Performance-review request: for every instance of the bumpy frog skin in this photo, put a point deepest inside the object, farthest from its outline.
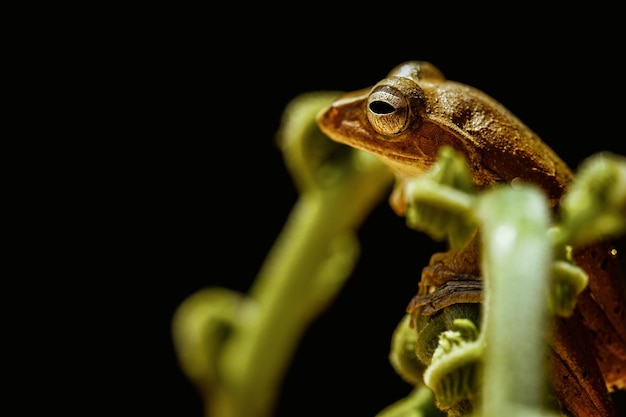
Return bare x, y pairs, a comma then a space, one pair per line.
404, 120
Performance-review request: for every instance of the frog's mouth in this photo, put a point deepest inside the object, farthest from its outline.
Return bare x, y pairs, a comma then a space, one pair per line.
404, 165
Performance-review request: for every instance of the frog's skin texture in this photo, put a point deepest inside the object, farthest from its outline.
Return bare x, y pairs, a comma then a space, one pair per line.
404, 120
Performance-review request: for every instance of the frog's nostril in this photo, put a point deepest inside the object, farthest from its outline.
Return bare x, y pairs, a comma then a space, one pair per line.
381, 107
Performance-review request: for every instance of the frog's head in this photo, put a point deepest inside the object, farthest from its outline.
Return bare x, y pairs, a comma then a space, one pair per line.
390, 119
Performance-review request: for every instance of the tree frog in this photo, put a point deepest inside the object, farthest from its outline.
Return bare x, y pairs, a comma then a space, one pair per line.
404, 120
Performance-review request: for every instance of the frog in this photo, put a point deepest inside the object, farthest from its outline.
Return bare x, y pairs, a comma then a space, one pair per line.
404, 120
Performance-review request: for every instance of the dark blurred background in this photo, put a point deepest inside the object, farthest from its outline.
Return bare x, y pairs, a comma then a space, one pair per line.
209, 192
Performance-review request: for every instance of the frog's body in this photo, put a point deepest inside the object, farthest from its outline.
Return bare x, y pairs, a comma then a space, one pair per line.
433, 112
404, 120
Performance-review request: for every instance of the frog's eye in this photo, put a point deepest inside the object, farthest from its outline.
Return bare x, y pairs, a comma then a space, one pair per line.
387, 110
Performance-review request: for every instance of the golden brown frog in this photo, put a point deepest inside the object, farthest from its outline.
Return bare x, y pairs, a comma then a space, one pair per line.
404, 120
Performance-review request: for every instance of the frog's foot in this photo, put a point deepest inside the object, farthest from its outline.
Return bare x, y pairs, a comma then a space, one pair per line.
451, 277
459, 289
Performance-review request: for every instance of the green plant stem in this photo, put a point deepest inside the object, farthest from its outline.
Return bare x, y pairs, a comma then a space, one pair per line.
419, 403
305, 269
517, 253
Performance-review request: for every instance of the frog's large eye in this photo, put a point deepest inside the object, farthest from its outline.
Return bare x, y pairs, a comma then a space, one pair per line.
387, 110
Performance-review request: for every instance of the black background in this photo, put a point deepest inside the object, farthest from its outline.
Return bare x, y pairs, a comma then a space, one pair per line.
208, 192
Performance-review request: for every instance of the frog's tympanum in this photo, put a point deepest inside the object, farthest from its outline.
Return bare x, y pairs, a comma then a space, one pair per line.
404, 120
